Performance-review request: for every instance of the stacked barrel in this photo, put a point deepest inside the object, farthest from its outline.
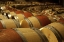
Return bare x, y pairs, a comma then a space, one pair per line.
32, 24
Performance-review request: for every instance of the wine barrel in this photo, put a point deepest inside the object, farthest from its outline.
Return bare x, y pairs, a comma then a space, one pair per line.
9, 35
50, 35
31, 22
21, 16
9, 14
57, 28
43, 20
37, 21
34, 35
9, 23
26, 14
